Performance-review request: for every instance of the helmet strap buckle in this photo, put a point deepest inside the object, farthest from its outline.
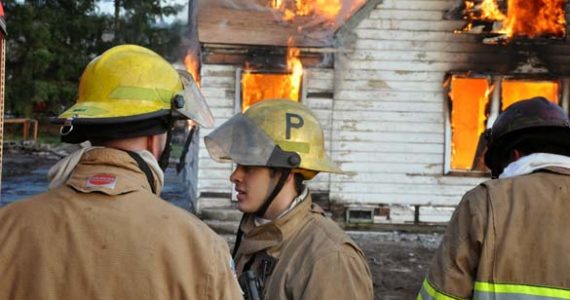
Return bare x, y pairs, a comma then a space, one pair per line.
67, 126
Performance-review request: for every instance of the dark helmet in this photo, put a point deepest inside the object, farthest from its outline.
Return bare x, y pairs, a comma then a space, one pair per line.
533, 120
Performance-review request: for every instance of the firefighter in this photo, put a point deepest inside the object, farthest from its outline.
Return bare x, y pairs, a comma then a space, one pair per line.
285, 247
101, 231
509, 238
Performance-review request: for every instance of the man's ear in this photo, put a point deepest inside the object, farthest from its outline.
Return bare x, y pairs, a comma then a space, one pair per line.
153, 145
516, 154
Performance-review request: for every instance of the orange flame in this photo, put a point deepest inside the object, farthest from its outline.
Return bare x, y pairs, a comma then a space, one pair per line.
513, 90
193, 67
329, 10
528, 18
469, 98
257, 87
294, 66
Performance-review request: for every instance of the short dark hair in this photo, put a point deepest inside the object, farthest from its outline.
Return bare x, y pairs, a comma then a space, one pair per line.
298, 178
535, 140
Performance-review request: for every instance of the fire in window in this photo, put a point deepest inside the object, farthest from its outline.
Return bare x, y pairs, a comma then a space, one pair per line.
469, 113
474, 103
513, 90
259, 85
503, 20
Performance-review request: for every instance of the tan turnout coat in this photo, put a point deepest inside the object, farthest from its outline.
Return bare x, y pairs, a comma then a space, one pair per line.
104, 235
508, 239
315, 259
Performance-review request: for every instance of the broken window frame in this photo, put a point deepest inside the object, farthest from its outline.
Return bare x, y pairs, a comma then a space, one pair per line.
494, 110
238, 103
485, 27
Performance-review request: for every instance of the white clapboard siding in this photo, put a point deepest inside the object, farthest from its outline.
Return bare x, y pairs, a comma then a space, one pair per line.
218, 86
385, 124
389, 105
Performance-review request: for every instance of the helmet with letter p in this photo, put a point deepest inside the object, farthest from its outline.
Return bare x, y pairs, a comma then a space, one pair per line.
273, 133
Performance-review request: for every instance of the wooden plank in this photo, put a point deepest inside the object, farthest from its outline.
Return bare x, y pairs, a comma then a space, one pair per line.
388, 137
381, 177
214, 174
404, 14
412, 117
218, 82
352, 156
381, 126
375, 105
409, 76
378, 84
394, 167
378, 198
416, 25
221, 25
415, 5
411, 35
220, 102
422, 66
394, 188
218, 70
219, 93
384, 95
461, 47
319, 103
428, 56
389, 148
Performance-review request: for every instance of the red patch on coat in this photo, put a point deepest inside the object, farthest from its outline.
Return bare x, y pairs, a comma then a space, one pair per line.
102, 180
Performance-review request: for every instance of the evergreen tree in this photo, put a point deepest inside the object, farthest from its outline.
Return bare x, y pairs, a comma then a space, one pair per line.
51, 41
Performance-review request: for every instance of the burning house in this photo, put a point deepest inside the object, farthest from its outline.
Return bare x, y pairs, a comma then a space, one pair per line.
404, 88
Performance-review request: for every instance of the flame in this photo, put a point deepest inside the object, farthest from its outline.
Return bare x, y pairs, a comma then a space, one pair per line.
513, 91
329, 10
528, 18
295, 67
469, 98
257, 87
193, 67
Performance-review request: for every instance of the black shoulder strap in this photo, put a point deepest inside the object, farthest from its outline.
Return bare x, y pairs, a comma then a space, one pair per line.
145, 168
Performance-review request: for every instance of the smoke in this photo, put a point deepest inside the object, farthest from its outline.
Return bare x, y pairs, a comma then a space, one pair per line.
315, 13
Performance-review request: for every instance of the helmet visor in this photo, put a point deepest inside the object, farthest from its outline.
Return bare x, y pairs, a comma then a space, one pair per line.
240, 140
195, 106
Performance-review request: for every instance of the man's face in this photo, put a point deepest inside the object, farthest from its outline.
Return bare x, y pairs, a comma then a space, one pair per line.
253, 185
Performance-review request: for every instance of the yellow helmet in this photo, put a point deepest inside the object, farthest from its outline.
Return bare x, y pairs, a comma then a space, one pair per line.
273, 133
130, 83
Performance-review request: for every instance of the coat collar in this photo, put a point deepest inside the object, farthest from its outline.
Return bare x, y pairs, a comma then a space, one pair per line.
109, 171
271, 236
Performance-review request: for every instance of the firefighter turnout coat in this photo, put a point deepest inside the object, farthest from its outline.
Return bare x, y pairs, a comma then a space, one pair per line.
104, 235
304, 255
508, 239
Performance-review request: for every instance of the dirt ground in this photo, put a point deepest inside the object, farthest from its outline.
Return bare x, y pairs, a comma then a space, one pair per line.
398, 261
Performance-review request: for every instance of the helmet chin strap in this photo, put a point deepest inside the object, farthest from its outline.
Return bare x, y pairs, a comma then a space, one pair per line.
164, 158
261, 211
276, 190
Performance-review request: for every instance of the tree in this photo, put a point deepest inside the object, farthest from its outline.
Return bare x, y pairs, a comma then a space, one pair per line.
141, 22
51, 41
